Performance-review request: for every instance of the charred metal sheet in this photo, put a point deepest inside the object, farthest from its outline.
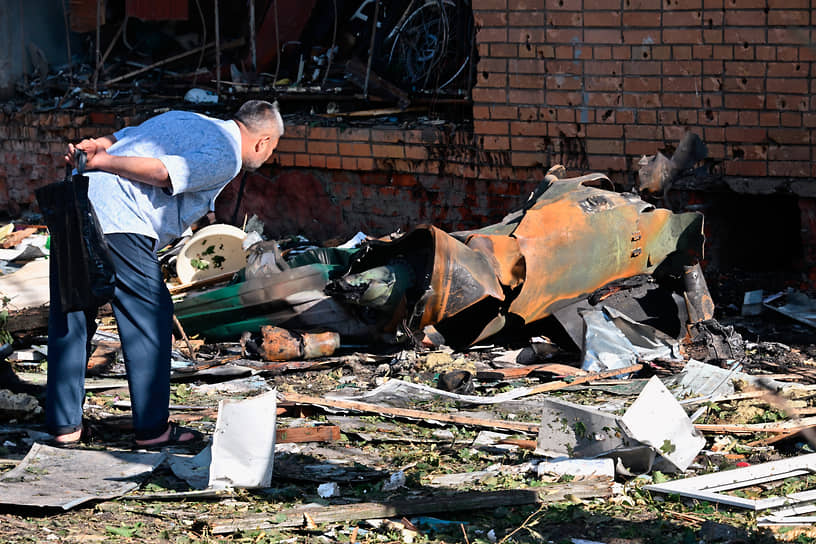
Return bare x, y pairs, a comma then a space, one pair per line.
505, 256
576, 239
450, 276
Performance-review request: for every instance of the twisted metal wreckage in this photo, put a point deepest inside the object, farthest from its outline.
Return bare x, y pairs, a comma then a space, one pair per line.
570, 239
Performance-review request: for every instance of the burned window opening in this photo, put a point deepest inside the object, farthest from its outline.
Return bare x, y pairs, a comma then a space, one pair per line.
744, 241
411, 57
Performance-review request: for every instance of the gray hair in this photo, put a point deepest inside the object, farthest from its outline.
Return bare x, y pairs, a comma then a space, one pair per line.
256, 115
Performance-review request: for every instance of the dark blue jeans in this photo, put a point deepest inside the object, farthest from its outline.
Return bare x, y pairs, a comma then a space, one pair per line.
144, 314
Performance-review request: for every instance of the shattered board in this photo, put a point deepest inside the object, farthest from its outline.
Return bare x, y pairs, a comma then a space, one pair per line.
399, 393
64, 478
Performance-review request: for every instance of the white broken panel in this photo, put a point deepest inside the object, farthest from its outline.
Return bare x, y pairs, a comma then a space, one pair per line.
243, 445
64, 478
703, 380
714, 487
582, 431
658, 420
575, 430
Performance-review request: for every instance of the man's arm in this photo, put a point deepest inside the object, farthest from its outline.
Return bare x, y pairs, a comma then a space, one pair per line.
143, 169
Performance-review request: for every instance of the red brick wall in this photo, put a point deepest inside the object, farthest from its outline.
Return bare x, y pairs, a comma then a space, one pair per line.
592, 84
598, 83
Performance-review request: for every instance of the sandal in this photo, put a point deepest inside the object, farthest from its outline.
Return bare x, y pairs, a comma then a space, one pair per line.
174, 438
84, 437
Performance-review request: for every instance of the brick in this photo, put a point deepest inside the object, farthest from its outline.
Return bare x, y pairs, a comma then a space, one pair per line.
677, 18
527, 82
302, 160
642, 132
745, 52
799, 86
322, 133
680, 100
416, 152
643, 68
769, 119
789, 153
789, 135
724, 52
752, 69
102, 118
333, 162
744, 84
603, 68
604, 131
317, 161
642, 18
355, 149
602, 35
502, 50
564, 18
290, 145
684, 35
790, 168
745, 18
489, 95
563, 35
479, 5
365, 164
496, 143
641, 84
492, 34
604, 100
563, 83
569, 5
527, 66
527, 35
492, 79
746, 168
787, 69
642, 4
562, 98
602, 18
490, 18
527, 96
749, 118
746, 135
528, 129
745, 35
322, 148
642, 147
605, 163
640, 37
503, 112
643, 100
739, 101
779, 17
354, 134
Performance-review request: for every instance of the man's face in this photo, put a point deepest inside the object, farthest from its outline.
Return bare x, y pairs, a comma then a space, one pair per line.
263, 149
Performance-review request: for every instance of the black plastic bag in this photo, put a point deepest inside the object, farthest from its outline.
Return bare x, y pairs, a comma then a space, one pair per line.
79, 251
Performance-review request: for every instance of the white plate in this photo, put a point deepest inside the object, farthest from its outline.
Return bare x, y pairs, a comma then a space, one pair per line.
212, 251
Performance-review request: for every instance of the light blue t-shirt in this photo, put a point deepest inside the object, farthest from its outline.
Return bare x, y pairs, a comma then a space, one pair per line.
202, 156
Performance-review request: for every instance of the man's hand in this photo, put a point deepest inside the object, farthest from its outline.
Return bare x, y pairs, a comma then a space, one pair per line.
95, 149
143, 169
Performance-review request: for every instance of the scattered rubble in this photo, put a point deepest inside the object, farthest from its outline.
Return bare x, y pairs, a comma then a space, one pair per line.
470, 376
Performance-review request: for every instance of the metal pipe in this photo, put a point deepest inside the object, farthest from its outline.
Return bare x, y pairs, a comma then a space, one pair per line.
371, 48
217, 51
252, 46
98, 34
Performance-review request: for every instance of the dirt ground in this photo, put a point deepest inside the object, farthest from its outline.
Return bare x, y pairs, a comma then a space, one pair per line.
373, 447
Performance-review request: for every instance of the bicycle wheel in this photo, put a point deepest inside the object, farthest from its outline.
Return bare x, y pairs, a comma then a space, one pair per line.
431, 48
